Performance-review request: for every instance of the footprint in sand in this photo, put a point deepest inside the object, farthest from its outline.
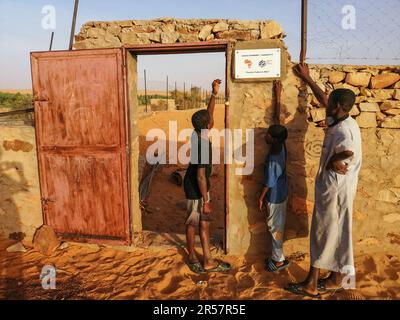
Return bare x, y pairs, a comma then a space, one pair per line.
169, 285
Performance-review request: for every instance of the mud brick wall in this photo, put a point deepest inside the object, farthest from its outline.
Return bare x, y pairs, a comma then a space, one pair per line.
377, 206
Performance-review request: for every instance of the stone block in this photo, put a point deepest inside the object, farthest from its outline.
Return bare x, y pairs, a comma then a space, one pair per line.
391, 122
367, 120
336, 77
369, 107
270, 29
384, 80
358, 79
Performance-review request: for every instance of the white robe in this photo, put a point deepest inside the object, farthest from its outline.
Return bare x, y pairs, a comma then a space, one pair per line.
331, 228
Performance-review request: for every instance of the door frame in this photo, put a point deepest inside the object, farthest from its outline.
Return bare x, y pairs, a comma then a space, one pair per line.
189, 47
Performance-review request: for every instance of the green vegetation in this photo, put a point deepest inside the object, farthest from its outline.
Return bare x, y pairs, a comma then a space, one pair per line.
15, 101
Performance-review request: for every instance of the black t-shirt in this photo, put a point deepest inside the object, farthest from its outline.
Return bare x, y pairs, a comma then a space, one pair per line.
200, 157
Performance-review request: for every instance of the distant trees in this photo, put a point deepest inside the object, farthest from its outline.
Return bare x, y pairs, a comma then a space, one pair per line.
15, 101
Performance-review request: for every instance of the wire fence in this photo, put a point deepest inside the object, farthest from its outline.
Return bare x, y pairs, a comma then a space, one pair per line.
158, 95
354, 32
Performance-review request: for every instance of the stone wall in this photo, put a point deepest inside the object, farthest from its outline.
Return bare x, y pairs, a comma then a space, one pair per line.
20, 208
97, 34
377, 90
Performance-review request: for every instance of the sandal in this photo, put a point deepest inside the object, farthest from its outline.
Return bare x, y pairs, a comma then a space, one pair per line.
272, 267
321, 287
221, 267
196, 267
296, 288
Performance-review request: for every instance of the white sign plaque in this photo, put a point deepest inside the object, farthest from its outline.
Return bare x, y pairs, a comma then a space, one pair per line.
258, 63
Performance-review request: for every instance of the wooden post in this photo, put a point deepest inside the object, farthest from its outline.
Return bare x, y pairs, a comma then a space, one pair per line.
71, 39
303, 51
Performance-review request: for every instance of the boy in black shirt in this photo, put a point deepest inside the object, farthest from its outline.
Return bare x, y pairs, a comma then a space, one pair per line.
197, 186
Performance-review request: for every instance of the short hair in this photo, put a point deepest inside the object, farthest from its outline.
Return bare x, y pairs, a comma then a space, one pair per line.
278, 132
344, 97
200, 120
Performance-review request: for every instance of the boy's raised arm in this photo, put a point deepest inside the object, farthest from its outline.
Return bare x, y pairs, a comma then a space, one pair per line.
211, 104
304, 73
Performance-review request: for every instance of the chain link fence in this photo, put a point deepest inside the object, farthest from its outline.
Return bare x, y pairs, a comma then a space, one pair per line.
361, 32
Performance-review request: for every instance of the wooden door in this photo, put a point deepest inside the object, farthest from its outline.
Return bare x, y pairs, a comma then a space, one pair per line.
80, 119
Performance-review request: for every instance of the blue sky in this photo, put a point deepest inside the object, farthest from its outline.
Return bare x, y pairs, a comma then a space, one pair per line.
375, 39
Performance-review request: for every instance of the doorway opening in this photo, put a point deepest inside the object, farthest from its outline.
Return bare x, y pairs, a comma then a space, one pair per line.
169, 88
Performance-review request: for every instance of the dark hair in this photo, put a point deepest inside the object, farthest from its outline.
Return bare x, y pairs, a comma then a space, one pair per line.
200, 120
344, 97
280, 133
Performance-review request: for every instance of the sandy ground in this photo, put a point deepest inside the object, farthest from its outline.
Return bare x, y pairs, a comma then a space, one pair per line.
92, 272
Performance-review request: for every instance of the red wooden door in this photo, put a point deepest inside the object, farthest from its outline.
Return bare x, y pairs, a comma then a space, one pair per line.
80, 118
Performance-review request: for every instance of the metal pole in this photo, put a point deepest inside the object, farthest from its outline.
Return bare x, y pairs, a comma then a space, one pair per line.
303, 51
145, 90
51, 41
167, 92
71, 39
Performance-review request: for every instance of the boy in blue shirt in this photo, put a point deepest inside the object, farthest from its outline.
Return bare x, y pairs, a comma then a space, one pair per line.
275, 193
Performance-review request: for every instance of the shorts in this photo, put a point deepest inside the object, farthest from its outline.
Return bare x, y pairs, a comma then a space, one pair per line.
195, 212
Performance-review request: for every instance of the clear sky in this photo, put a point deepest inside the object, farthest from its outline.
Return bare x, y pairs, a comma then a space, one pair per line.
375, 39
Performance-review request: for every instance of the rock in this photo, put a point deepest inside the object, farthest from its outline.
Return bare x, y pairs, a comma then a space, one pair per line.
125, 24
221, 26
169, 37
383, 94
246, 25
205, 32
384, 80
380, 116
17, 247
234, 35
255, 34
397, 85
391, 122
270, 29
45, 240
365, 92
210, 37
396, 94
347, 86
96, 33
367, 120
354, 111
360, 99
318, 114
129, 38
358, 79
336, 77
390, 104
392, 112
188, 38
369, 107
